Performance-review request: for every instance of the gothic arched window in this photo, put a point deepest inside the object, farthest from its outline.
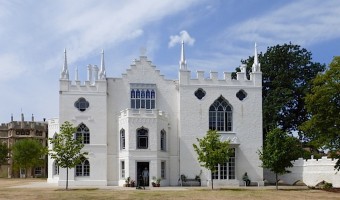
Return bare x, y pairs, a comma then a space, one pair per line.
142, 138
122, 139
220, 115
163, 140
83, 168
84, 133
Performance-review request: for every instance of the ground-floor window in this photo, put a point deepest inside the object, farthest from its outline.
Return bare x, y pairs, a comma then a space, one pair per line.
122, 164
163, 169
83, 169
56, 169
37, 171
226, 170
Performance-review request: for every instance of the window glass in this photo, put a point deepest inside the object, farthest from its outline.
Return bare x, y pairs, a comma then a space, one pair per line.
220, 115
142, 138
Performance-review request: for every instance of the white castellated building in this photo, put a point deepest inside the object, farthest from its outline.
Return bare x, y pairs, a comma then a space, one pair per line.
143, 120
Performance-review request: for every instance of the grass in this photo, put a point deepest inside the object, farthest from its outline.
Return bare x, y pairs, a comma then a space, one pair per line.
7, 192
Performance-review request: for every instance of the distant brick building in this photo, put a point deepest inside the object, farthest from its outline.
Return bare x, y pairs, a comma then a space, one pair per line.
16, 130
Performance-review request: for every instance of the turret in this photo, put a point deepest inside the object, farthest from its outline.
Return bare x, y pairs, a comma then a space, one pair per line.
64, 73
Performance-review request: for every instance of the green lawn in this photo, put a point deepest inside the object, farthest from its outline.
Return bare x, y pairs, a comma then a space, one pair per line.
192, 193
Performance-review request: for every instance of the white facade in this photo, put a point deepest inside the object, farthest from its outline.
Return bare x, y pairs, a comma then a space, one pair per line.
161, 124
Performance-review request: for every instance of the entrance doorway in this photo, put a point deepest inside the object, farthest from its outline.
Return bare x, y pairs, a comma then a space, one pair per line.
140, 167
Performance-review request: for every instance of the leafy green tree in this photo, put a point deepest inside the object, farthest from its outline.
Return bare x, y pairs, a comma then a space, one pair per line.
287, 72
212, 151
3, 154
323, 103
278, 152
28, 153
66, 149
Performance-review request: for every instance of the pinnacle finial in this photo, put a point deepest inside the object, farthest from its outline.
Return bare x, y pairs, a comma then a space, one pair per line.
183, 62
102, 72
256, 64
64, 73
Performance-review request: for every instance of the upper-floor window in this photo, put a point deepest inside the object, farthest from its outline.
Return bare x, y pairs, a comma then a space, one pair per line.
220, 115
81, 104
163, 140
143, 96
122, 139
142, 138
84, 133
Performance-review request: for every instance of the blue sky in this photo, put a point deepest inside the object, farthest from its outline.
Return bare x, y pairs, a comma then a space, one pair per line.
218, 34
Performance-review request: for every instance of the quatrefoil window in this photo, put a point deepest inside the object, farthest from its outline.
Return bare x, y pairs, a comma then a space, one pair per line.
81, 104
241, 95
200, 93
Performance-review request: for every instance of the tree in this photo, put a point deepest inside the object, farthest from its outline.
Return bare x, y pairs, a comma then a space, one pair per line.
28, 153
66, 148
211, 151
287, 74
3, 154
323, 103
278, 152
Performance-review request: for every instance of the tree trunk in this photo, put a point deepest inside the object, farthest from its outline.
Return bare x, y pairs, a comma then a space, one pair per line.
277, 182
66, 178
25, 172
212, 181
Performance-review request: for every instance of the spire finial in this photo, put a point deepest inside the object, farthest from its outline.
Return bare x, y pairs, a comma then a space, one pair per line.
256, 64
102, 72
76, 78
64, 73
182, 62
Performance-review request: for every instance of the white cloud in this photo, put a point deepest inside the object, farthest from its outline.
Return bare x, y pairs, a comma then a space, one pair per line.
183, 36
303, 22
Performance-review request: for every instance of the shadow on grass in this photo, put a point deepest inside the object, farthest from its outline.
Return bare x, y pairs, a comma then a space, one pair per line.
78, 189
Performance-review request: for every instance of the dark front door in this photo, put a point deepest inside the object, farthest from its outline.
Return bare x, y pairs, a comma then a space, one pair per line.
143, 166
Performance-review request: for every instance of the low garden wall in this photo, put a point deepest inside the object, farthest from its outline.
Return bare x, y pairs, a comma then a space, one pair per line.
311, 172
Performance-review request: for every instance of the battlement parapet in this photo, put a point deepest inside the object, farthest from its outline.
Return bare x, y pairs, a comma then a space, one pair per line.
213, 79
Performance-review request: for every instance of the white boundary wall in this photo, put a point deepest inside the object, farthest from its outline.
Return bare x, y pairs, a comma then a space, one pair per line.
311, 172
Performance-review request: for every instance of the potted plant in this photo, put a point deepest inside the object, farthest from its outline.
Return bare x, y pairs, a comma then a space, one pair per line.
158, 182
132, 183
127, 182
153, 183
